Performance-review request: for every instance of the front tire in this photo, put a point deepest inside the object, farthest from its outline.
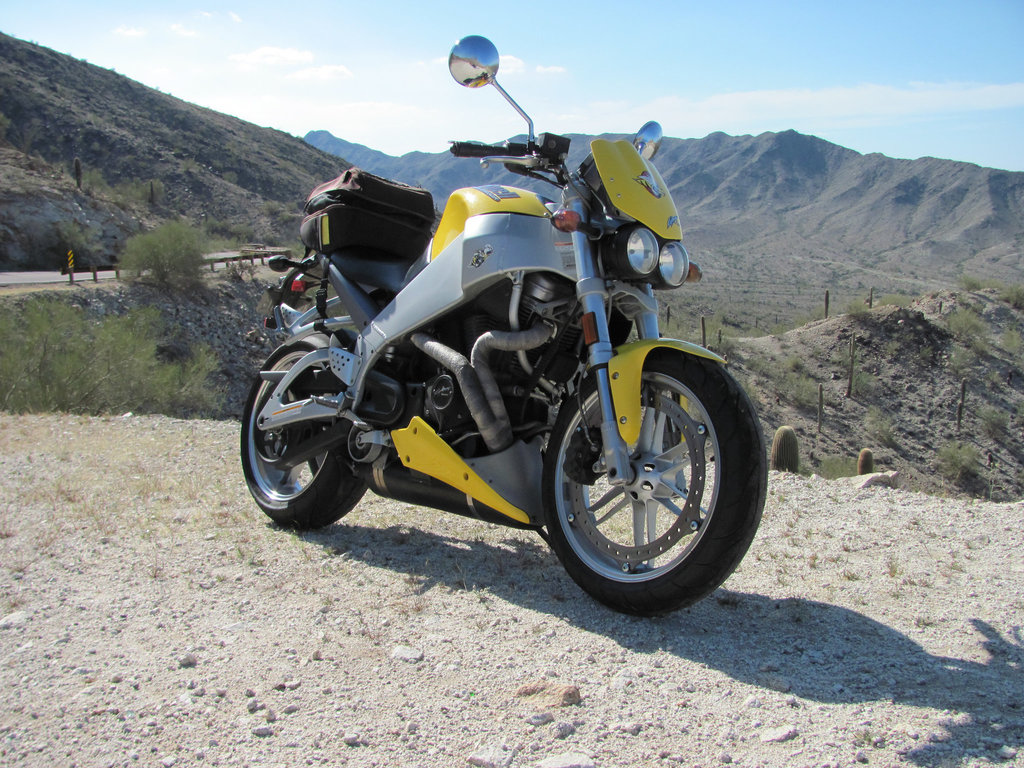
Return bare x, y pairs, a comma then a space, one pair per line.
311, 495
675, 533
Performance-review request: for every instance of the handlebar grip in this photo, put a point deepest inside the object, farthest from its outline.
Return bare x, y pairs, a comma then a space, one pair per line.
472, 149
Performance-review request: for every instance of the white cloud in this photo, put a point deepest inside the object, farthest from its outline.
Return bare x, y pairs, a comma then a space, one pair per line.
124, 31
181, 29
808, 109
235, 17
510, 65
324, 73
270, 56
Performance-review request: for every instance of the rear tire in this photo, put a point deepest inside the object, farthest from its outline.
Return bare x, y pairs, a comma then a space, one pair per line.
312, 495
680, 529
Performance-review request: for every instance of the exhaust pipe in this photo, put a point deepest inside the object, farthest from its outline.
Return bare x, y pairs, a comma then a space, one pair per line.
476, 380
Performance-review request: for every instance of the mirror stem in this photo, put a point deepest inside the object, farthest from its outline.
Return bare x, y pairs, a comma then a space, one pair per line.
518, 109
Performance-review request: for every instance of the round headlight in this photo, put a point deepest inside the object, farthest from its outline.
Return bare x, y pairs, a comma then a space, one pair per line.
642, 250
633, 253
673, 265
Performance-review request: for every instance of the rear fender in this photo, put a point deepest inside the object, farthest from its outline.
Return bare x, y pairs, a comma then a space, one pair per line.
624, 372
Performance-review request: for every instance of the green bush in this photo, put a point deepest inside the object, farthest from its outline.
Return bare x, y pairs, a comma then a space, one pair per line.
171, 255
1013, 295
879, 427
957, 461
53, 358
833, 467
968, 328
993, 421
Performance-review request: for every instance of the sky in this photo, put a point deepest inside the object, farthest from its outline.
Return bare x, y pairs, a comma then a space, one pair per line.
903, 78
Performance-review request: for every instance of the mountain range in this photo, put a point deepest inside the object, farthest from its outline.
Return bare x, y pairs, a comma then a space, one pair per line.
773, 219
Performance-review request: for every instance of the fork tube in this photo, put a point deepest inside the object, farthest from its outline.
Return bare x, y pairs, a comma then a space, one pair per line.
590, 289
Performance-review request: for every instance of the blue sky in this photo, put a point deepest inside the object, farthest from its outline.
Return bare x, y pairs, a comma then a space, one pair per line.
907, 79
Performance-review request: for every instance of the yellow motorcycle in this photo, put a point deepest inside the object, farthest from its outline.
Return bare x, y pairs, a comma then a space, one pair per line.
509, 366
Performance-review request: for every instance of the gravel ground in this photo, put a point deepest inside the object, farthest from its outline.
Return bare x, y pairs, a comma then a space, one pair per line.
152, 617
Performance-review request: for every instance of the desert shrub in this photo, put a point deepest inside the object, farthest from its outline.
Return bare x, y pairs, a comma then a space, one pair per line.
962, 361
965, 325
896, 299
170, 256
993, 421
53, 358
957, 461
971, 283
1013, 295
832, 467
879, 427
1011, 341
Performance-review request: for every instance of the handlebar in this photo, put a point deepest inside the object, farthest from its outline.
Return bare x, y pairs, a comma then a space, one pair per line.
472, 149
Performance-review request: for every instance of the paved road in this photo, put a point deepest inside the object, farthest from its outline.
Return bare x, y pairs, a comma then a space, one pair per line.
45, 278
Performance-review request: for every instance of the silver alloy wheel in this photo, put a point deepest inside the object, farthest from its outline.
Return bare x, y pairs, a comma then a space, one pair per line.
279, 485
642, 530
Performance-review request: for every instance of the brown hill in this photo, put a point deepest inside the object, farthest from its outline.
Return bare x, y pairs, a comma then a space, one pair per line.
145, 156
910, 366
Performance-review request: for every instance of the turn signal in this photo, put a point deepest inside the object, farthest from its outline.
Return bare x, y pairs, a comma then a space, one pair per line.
695, 274
565, 220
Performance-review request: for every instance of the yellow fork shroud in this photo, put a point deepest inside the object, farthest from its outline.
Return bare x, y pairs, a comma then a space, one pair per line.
624, 371
420, 448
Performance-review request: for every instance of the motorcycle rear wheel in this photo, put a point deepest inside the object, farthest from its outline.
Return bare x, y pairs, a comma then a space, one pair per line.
311, 495
675, 533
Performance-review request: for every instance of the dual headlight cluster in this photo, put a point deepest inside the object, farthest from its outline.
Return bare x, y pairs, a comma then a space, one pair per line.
634, 253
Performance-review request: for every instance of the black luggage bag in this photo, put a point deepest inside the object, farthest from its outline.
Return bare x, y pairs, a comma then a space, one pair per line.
360, 209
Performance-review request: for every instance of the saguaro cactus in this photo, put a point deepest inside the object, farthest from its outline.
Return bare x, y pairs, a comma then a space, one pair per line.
785, 450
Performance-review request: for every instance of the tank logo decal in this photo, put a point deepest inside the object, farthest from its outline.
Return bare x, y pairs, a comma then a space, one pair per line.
646, 180
481, 256
499, 193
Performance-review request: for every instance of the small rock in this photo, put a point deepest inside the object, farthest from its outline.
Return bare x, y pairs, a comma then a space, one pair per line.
563, 730
1006, 752
752, 702
568, 760
725, 757
291, 709
633, 729
492, 756
407, 654
780, 734
861, 756
548, 694
540, 718
188, 661
352, 740
262, 731
15, 619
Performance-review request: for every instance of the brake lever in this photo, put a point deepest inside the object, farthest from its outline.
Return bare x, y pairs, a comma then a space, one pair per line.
531, 161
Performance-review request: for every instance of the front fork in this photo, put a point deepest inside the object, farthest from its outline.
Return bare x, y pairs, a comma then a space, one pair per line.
593, 296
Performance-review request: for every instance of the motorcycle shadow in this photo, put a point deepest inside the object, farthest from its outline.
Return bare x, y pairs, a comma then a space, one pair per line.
809, 649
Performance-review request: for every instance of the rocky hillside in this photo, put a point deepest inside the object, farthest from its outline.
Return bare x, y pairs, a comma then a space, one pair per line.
937, 390
145, 156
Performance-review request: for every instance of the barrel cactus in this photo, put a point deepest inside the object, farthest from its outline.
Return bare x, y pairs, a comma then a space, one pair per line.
785, 450
865, 462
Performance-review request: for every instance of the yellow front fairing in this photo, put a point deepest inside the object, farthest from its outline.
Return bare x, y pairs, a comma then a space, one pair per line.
635, 187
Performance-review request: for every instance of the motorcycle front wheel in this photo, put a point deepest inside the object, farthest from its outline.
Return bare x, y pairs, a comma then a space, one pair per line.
679, 529
310, 495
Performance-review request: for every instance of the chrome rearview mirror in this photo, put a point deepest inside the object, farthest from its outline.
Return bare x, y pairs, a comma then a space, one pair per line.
473, 62
648, 140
